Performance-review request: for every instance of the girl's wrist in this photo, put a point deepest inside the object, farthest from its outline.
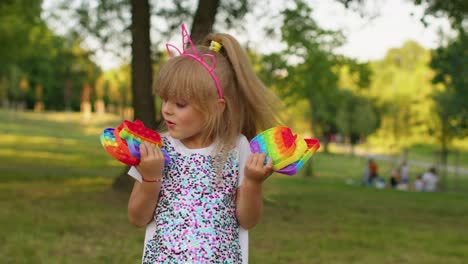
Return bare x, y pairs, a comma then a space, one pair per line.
252, 183
151, 180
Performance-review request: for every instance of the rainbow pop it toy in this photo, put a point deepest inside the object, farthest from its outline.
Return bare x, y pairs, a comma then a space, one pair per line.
288, 151
123, 142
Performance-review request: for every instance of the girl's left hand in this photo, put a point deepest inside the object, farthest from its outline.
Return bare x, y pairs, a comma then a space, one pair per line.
256, 170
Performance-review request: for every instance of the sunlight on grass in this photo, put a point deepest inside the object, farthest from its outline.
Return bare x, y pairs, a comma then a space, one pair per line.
93, 131
65, 117
42, 189
88, 182
35, 155
9, 140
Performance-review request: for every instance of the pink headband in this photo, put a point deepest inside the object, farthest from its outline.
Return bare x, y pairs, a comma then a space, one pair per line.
187, 42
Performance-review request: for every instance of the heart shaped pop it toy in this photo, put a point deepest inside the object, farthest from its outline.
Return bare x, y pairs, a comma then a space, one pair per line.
288, 151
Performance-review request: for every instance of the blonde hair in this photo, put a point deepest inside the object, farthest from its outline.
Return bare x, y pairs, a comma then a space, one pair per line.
249, 106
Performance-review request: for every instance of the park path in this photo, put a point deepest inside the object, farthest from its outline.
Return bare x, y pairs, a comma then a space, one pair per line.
460, 170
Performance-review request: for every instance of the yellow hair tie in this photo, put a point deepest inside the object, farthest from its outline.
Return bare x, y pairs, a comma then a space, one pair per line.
215, 46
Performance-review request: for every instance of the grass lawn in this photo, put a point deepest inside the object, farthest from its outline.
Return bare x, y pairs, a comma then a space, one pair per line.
58, 206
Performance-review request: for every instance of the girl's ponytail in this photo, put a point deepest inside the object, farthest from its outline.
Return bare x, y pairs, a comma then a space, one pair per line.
257, 105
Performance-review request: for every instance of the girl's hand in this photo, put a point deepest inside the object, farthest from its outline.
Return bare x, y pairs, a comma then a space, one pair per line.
151, 162
256, 170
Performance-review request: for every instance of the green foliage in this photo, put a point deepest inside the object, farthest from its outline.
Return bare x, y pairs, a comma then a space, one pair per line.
353, 75
309, 70
117, 90
305, 69
109, 22
401, 89
456, 10
356, 116
36, 56
229, 15
17, 21
450, 64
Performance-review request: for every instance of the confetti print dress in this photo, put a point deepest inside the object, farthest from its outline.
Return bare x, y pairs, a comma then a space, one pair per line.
195, 220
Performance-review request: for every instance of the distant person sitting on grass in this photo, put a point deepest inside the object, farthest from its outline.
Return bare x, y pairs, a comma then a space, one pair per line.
373, 171
430, 180
418, 184
395, 178
404, 173
366, 176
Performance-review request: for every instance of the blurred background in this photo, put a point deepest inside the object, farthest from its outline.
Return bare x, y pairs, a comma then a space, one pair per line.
382, 84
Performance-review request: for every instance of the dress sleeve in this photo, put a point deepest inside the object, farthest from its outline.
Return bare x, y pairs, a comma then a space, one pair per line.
244, 153
133, 172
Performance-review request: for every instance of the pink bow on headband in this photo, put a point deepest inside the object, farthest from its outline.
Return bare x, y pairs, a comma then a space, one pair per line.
190, 51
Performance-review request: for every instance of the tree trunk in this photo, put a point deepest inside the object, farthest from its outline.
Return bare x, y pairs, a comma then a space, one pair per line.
85, 106
67, 94
309, 167
142, 96
38, 104
123, 182
444, 153
99, 107
204, 19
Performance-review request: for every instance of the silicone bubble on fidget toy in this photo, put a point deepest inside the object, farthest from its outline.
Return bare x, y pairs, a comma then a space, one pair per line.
123, 142
289, 152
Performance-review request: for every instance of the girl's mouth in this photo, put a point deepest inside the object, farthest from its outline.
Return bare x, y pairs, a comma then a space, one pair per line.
170, 124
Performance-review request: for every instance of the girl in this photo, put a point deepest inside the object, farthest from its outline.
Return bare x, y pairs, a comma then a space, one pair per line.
197, 208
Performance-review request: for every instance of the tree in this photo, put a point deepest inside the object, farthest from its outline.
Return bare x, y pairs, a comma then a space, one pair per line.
356, 117
455, 10
450, 64
312, 77
308, 69
142, 71
142, 74
17, 20
204, 16
31, 53
401, 89
204, 19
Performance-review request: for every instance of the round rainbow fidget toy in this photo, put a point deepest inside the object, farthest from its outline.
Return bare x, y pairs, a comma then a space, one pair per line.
123, 142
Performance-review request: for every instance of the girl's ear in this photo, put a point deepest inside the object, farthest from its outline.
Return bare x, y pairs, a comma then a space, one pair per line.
221, 105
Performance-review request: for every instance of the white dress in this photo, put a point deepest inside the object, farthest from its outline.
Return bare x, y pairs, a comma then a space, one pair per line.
195, 219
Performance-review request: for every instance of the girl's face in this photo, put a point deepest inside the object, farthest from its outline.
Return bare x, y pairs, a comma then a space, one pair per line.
184, 122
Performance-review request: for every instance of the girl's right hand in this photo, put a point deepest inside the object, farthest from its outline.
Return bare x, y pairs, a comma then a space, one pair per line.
151, 162
256, 169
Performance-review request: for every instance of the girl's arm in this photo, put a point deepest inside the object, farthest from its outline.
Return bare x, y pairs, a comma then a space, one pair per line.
249, 203
142, 203
144, 197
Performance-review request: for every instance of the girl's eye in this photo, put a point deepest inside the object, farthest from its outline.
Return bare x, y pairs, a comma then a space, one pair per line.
181, 105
